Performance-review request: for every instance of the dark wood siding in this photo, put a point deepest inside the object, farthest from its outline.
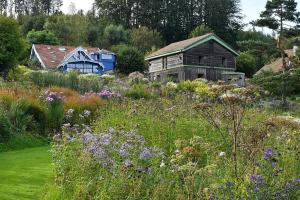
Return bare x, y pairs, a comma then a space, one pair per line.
210, 54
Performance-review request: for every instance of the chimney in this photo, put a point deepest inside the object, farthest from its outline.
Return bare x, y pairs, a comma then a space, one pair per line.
295, 49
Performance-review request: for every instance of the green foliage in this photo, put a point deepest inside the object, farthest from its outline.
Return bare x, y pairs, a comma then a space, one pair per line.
21, 116
17, 73
11, 44
255, 36
277, 13
138, 91
29, 23
95, 30
273, 82
115, 35
42, 37
201, 30
145, 39
246, 63
4, 126
129, 59
261, 47
72, 80
198, 161
69, 29
180, 19
19, 120
190, 86
291, 42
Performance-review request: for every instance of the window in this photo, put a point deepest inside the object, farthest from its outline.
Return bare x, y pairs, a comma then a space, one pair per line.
200, 75
165, 63
202, 59
173, 77
224, 62
158, 78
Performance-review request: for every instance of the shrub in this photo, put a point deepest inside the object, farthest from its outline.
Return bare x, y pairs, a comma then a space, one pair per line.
145, 39
17, 74
4, 126
129, 59
170, 89
42, 37
273, 82
19, 119
138, 92
90, 82
246, 63
191, 86
34, 108
12, 45
114, 35
201, 30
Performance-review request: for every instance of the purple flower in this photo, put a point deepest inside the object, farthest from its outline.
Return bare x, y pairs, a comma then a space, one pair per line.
109, 94
124, 150
145, 154
257, 180
268, 154
105, 139
89, 137
49, 99
53, 96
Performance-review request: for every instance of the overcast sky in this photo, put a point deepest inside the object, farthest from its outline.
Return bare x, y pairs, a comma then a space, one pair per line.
250, 8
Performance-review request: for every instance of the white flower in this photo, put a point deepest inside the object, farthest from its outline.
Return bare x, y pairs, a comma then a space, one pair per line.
171, 85
162, 164
222, 154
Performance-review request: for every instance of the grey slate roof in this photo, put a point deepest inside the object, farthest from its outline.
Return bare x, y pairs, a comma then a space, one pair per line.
185, 44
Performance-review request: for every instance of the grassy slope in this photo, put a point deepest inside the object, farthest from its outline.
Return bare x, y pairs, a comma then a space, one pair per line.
23, 141
24, 173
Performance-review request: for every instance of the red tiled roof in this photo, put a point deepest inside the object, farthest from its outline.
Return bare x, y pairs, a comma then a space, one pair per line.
52, 55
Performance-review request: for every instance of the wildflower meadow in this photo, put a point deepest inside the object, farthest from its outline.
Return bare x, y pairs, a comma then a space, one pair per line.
136, 139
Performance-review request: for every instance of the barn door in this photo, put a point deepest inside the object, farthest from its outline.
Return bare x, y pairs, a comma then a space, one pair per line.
211, 74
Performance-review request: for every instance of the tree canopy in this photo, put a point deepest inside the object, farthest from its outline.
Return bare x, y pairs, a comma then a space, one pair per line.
277, 12
11, 44
201, 30
175, 19
145, 39
42, 37
129, 59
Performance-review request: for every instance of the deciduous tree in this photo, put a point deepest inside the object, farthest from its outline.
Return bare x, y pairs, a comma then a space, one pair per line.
11, 44
129, 59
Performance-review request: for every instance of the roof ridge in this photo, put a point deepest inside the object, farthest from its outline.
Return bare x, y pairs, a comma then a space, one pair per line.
184, 45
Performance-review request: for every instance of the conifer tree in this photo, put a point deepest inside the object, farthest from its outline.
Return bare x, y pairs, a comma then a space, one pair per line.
277, 13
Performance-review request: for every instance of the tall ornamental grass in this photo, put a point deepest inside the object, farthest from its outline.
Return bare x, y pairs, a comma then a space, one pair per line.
72, 80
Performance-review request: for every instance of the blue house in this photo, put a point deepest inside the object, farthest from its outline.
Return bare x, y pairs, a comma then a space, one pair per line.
107, 58
67, 58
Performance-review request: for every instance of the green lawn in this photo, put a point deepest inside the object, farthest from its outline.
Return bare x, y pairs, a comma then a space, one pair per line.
24, 173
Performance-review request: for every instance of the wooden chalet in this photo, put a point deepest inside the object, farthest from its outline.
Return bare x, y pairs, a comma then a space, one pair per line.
206, 56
